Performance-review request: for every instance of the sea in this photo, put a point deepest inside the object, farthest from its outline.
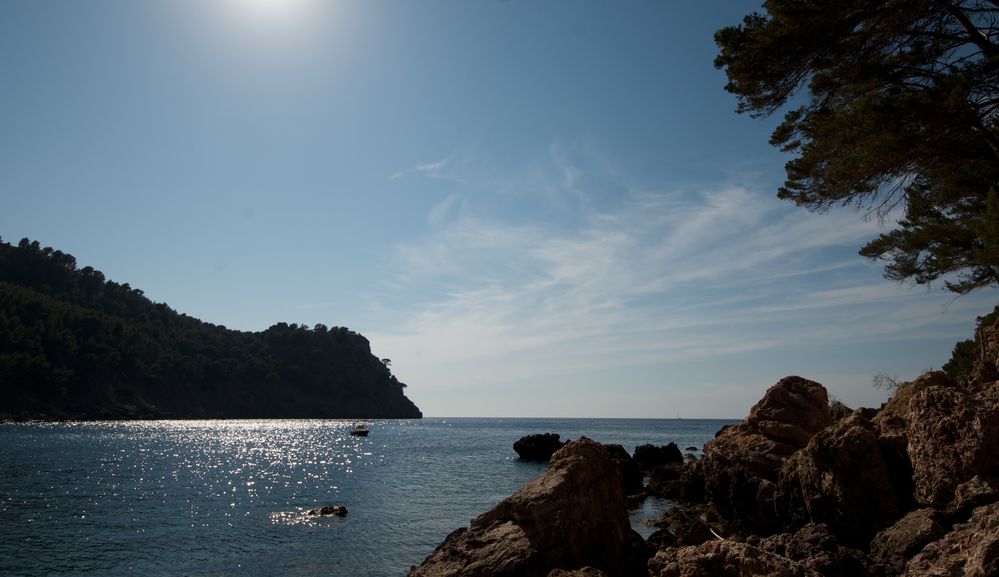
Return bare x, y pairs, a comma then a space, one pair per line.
220, 498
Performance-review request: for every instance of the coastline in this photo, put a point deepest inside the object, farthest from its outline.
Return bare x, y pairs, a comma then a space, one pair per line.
802, 487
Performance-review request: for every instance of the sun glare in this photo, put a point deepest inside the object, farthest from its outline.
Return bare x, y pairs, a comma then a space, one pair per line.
275, 11
272, 6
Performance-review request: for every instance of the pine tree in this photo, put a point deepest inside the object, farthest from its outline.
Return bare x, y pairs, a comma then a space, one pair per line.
900, 103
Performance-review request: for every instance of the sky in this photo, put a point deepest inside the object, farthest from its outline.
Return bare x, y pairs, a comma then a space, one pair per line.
532, 208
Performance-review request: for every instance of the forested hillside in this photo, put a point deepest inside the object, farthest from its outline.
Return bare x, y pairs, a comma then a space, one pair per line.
76, 345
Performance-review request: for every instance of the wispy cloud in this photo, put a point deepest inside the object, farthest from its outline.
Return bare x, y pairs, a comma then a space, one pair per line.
436, 169
662, 280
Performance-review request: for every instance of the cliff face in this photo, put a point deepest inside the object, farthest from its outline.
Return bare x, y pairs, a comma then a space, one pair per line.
75, 345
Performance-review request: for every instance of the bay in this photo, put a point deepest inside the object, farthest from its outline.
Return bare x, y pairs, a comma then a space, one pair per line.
219, 498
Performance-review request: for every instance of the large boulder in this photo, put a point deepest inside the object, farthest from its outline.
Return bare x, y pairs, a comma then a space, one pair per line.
892, 548
971, 494
939, 434
572, 516
665, 481
953, 435
970, 549
650, 456
741, 464
631, 476
539, 447
692, 482
817, 549
725, 559
839, 479
684, 527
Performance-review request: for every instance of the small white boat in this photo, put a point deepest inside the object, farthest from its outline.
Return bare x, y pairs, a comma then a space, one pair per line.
359, 430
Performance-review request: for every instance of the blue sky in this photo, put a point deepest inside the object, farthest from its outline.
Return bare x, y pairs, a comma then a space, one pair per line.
533, 208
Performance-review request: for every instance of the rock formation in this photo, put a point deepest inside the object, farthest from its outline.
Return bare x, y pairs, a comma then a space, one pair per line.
664, 481
328, 510
538, 447
684, 528
724, 559
814, 547
953, 435
838, 478
584, 572
570, 517
970, 549
911, 492
741, 465
798, 488
631, 476
648, 457
892, 548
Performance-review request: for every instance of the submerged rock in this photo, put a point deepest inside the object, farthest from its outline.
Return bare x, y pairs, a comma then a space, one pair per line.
328, 510
572, 516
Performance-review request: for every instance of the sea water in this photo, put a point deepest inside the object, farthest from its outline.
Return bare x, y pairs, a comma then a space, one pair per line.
215, 498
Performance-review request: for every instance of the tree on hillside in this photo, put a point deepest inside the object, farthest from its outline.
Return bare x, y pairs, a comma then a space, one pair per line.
899, 110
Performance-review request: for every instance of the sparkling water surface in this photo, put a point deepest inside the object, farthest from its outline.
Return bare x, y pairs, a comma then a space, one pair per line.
200, 498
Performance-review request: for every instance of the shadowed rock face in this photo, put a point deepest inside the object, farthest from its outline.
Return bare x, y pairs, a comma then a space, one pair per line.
840, 479
953, 435
893, 547
945, 432
649, 456
725, 559
572, 516
538, 447
847, 499
971, 549
631, 475
741, 465
584, 572
815, 548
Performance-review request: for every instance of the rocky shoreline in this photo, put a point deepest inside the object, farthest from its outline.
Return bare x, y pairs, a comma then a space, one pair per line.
801, 487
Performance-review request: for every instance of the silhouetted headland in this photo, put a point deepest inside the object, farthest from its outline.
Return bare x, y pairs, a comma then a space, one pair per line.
74, 345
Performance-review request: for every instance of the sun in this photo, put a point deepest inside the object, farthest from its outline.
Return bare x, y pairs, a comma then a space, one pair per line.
275, 11
272, 6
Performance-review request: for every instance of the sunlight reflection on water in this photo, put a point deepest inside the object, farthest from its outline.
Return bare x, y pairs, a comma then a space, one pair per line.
227, 497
